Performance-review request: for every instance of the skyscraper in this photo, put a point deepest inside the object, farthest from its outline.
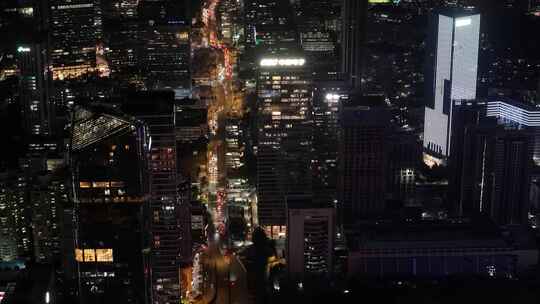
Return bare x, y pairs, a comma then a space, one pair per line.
121, 39
34, 88
517, 115
452, 75
165, 49
169, 216
110, 190
496, 173
363, 154
76, 28
284, 135
328, 96
354, 15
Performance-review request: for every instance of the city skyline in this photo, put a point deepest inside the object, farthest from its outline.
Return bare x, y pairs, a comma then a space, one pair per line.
269, 151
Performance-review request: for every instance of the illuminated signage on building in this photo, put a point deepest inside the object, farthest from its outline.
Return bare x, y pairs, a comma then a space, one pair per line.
271, 62
23, 49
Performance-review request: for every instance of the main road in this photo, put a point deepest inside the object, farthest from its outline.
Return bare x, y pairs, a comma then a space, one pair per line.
225, 278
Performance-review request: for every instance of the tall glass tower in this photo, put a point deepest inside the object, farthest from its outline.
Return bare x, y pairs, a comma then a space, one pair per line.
452, 75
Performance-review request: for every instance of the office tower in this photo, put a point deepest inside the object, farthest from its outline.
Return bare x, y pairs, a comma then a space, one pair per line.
310, 238
318, 32
165, 50
170, 241
76, 27
109, 179
121, 39
363, 154
264, 13
354, 15
328, 96
284, 135
451, 75
34, 88
465, 115
320, 49
234, 146
496, 173
230, 21
191, 129
518, 115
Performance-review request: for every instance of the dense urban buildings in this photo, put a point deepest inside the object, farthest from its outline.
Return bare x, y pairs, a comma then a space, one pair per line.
269, 151
75, 29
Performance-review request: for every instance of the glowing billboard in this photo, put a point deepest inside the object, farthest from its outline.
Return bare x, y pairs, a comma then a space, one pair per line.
272, 62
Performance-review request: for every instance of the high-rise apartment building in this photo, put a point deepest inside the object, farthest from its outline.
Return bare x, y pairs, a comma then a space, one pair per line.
76, 28
451, 75
110, 194
284, 135
169, 218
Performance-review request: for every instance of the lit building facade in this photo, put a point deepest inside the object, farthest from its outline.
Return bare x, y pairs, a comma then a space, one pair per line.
517, 115
34, 88
49, 195
76, 28
285, 130
121, 39
328, 96
169, 218
110, 195
165, 50
452, 75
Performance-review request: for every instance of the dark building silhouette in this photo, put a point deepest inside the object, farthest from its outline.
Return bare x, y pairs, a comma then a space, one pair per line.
109, 193
169, 216
363, 156
354, 17
491, 171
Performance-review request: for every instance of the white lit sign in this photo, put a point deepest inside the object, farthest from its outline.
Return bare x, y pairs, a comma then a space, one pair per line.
463, 22
23, 49
269, 62
332, 97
